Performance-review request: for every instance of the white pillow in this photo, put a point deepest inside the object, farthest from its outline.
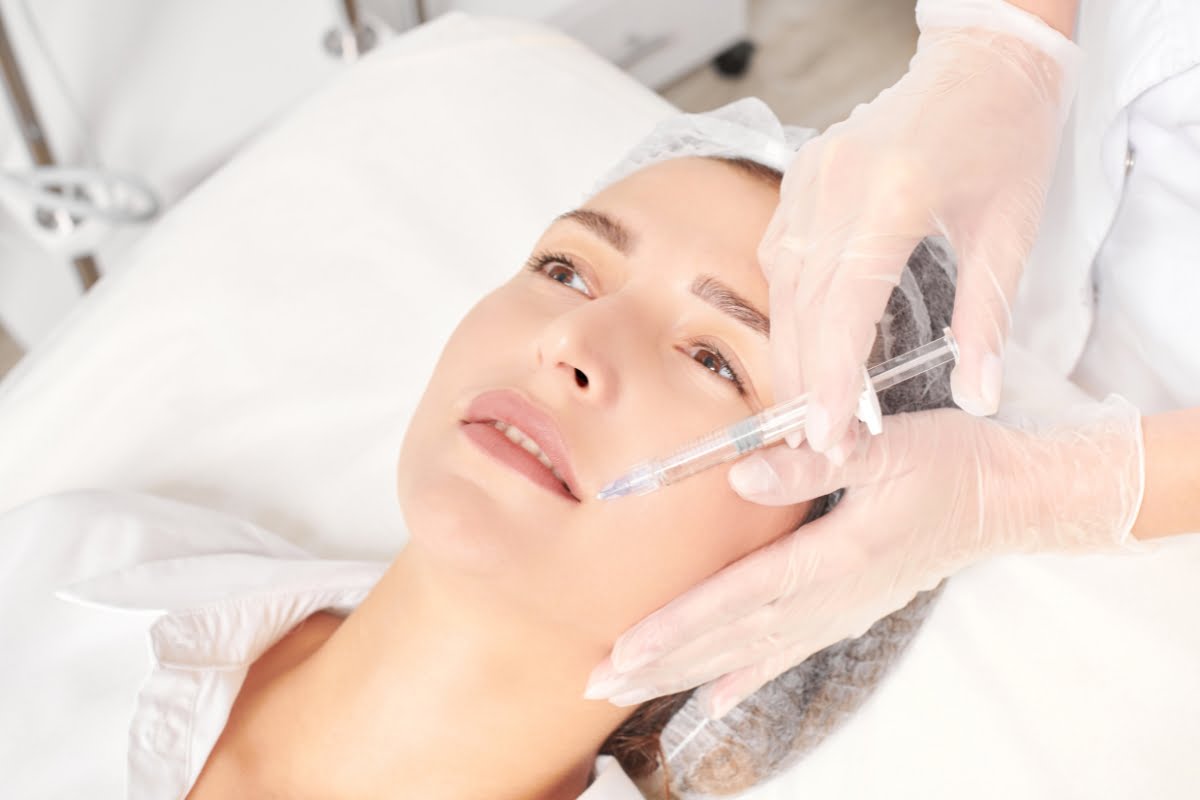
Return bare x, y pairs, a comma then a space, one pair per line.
265, 348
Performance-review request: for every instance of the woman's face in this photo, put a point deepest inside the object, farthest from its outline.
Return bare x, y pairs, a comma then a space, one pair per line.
637, 325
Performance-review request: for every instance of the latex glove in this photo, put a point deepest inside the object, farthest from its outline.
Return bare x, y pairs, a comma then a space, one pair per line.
936, 491
963, 146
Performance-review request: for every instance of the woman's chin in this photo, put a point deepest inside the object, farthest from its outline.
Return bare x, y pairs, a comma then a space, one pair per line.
470, 527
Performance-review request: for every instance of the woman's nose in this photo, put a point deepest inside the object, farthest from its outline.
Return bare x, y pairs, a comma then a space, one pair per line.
583, 350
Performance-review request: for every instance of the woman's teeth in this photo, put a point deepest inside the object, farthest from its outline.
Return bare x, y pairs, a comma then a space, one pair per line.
518, 437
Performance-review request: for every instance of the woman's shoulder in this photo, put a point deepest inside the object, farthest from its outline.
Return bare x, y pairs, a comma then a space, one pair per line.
85, 578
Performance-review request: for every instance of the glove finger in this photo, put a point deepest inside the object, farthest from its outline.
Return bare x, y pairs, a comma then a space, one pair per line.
797, 303
819, 607
644, 684
759, 637
769, 248
727, 647
786, 381
734, 592
717, 698
778, 476
721, 647
724, 650
733, 609
839, 320
792, 215
690, 666
727, 653
843, 449
987, 281
789, 256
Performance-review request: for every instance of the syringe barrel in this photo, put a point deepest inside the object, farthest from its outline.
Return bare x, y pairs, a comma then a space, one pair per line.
734, 441
915, 362
773, 424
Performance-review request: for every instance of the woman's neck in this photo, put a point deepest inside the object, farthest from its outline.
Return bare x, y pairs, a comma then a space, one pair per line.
426, 690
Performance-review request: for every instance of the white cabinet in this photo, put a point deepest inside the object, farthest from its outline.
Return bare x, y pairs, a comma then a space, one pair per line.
656, 41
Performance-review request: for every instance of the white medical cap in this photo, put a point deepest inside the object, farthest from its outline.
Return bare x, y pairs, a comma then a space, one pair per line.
745, 128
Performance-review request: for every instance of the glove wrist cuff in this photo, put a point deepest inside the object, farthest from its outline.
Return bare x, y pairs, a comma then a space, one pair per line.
1002, 17
1094, 469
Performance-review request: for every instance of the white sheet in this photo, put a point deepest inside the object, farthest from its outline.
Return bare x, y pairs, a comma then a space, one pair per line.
266, 348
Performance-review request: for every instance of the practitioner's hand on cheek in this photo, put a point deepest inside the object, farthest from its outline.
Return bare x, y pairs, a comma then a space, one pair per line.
936, 491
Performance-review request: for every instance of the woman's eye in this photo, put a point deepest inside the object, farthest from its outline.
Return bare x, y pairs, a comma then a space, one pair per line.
560, 270
711, 359
566, 275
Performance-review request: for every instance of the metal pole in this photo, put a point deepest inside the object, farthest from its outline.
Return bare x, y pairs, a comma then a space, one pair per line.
31, 132
351, 7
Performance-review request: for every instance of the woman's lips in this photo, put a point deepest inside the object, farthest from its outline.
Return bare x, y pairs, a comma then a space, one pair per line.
514, 409
508, 452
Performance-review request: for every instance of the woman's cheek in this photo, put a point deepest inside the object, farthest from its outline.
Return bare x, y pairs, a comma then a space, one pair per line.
723, 527
498, 321
697, 527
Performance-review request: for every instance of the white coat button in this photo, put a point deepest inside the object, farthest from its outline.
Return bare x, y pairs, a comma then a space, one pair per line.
1130, 158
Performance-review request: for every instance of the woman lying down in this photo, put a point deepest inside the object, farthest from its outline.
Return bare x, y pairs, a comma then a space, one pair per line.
457, 670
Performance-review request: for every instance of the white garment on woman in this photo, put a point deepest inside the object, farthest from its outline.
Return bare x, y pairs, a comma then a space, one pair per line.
128, 625
1112, 292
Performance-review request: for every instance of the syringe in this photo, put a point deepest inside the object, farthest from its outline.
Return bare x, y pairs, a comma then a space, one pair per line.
773, 424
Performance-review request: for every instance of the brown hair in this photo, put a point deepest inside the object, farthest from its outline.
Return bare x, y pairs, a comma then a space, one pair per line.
636, 744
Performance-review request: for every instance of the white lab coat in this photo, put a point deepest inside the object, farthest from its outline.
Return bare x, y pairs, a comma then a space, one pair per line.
128, 624
1111, 296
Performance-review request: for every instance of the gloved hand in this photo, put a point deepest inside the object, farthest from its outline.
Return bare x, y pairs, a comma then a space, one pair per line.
963, 146
936, 491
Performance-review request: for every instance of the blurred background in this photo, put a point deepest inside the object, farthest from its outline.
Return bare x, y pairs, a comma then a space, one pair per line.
141, 99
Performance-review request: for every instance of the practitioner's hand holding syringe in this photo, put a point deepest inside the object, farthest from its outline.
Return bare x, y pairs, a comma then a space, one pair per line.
963, 147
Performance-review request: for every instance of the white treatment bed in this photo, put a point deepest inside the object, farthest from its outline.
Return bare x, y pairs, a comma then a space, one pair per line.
266, 346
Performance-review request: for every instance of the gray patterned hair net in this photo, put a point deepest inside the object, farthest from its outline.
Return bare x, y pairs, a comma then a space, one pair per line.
784, 720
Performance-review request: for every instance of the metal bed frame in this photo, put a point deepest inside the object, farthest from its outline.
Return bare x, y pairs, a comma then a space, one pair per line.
36, 143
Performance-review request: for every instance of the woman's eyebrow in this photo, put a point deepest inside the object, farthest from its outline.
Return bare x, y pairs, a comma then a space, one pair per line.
721, 297
605, 227
707, 287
